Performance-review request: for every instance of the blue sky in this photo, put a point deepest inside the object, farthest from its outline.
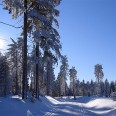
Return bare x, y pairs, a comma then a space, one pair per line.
6, 31
88, 35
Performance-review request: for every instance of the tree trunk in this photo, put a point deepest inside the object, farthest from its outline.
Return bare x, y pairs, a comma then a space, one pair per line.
16, 91
37, 70
24, 80
74, 90
48, 89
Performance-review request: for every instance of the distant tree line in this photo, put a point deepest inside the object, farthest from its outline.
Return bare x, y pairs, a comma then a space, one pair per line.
11, 77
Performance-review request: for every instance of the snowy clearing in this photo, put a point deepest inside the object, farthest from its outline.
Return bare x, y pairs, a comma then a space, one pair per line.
66, 106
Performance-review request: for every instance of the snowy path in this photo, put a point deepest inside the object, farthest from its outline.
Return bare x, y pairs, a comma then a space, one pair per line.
84, 106
67, 109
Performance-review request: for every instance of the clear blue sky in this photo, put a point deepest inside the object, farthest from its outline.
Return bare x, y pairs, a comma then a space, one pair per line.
88, 35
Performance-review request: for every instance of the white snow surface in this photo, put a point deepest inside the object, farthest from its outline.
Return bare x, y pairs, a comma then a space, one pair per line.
65, 106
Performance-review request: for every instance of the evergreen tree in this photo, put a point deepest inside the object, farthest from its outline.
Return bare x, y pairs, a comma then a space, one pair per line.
98, 73
88, 89
92, 88
112, 87
50, 77
38, 19
77, 85
14, 55
102, 88
99, 76
107, 88
73, 75
5, 84
58, 81
83, 88
63, 75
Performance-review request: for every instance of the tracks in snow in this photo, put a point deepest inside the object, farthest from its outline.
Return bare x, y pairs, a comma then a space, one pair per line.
59, 108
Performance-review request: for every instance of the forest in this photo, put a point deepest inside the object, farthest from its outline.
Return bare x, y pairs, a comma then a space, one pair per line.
29, 63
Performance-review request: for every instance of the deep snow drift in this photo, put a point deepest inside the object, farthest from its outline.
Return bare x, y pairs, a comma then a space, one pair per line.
66, 106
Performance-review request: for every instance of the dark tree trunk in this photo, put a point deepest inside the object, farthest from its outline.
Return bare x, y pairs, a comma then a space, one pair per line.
24, 80
5, 86
48, 80
74, 90
37, 70
16, 91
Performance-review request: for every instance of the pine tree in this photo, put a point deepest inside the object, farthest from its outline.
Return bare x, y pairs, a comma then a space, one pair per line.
83, 88
99, 76
50, 76
88, 89
112, 87
98, 73
58, 81
102, 88
55, 92
38, 19
14, 55
92, 88
5, 85
77, 88
73, 75
63, 75
107, 88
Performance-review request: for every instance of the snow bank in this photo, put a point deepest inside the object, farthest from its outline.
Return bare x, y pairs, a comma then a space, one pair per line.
14, 106
52, 100
101, 103
101, 106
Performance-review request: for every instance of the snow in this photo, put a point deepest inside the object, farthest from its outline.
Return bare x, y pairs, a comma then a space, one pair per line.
66, 106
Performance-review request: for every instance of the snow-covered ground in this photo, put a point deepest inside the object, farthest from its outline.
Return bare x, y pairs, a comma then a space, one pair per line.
66, 106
